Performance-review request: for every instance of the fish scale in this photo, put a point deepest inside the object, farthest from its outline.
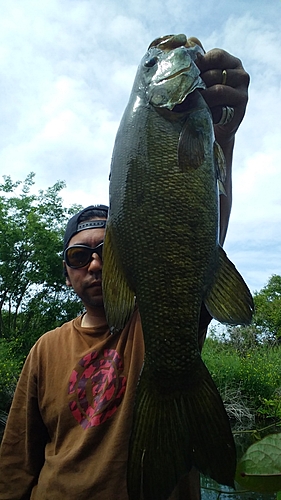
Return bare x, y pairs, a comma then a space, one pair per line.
161, 248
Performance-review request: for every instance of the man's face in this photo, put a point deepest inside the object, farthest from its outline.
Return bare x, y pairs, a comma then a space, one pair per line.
86, 281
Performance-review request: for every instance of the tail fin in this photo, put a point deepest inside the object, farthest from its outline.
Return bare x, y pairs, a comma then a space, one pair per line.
172, 432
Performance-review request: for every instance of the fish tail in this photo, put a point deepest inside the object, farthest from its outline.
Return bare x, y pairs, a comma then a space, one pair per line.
214, 451
174, 431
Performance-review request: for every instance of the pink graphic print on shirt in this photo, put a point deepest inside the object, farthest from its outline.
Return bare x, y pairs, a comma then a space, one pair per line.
96, 387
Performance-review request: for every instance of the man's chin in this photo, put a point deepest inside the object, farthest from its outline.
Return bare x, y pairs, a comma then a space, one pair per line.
97, 301
92, 301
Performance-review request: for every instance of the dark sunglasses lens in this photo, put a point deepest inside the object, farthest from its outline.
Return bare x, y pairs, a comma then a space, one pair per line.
78, 257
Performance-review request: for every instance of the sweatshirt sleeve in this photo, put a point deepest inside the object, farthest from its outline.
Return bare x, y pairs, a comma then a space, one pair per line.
25, 437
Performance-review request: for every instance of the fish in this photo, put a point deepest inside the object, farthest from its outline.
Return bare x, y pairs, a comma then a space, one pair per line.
162, 252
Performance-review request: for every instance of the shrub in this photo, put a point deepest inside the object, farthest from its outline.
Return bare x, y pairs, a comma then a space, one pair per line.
9, 372
256, 374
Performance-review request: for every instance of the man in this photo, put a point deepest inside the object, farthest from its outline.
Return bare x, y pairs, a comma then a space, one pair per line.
68, 430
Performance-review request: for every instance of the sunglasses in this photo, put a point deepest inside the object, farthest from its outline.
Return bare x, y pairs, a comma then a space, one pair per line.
80, 255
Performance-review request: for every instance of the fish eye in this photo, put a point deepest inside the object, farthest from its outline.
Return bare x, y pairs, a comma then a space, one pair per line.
149, 63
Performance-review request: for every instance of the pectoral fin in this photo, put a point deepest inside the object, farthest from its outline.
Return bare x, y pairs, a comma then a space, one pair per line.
119, 299
191, 146
229, 300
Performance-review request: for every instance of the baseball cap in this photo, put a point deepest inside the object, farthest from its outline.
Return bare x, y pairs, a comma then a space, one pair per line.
75, 224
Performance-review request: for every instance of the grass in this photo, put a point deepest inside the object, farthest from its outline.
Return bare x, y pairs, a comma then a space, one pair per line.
253, 379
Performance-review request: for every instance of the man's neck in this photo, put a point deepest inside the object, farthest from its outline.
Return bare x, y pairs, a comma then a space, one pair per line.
94, 319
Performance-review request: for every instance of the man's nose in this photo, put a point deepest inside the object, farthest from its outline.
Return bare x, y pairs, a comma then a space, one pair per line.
95, 263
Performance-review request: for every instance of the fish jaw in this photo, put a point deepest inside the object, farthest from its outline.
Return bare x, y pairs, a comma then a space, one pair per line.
170, 76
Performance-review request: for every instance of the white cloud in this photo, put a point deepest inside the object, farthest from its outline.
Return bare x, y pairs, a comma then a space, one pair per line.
67, 69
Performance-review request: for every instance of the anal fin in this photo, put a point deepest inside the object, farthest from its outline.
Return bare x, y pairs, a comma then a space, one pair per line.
229, 300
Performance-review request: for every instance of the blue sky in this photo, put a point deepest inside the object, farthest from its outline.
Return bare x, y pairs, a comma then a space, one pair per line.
67, 69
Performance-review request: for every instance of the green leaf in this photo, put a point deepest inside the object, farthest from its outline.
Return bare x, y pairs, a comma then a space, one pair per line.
260, 467
32, 292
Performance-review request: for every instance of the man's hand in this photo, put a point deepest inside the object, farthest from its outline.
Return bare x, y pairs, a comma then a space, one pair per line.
230, 89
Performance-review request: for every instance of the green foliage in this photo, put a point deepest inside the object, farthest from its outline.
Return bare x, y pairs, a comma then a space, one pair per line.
247, 359
258, 470
268, 309
260, 467
243, 338
245, 364
31, 232
47, 310
257, 374
266, 323
33, 295
271, 408
10, 368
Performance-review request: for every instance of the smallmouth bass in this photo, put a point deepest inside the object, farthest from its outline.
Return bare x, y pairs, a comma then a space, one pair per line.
161, 247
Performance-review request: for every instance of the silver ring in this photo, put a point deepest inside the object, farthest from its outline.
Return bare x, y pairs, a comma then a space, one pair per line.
227, 115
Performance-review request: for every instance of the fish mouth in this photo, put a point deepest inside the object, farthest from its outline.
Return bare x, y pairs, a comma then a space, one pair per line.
174, 75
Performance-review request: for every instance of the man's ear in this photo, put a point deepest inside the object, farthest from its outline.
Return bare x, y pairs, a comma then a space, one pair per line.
67, 280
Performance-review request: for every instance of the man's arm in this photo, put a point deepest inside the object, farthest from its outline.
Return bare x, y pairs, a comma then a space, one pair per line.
228, 89
23, 445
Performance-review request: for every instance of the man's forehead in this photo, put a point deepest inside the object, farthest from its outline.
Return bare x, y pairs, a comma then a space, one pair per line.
88, 235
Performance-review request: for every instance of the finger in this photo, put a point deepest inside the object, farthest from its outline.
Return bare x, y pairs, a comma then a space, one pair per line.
236, 78
216, 114
224, 95
194, 41
218, 58
223, 115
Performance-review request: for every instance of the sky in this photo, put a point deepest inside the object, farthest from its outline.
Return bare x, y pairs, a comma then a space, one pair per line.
67, 68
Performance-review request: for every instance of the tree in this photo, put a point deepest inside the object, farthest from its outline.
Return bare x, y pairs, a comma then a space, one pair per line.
33, 297
267, 317
266, 323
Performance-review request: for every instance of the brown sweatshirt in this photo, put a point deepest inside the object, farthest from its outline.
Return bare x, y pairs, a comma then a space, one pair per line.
68, 429
69, 426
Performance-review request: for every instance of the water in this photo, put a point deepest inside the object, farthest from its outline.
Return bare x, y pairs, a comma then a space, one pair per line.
212, 491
